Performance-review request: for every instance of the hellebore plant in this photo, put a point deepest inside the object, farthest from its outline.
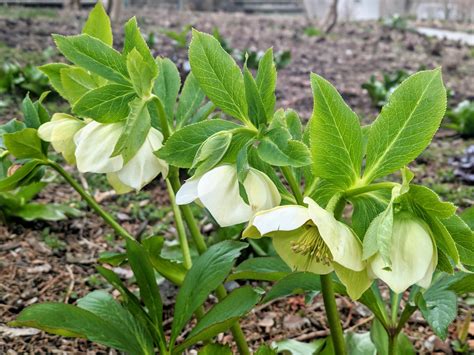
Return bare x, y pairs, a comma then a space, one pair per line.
132, 120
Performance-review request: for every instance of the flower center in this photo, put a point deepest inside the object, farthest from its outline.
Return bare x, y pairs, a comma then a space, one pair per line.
311, 244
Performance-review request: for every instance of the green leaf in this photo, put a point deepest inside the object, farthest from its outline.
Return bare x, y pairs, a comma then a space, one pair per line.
98, 25
266, 82
366, 207
256, 109
106, 104
443, 238
294, 347
463, 236
167, 85
207, 272
213, 349
189, 101
406, 124
104, 306
145, 275
430, 202
464, 284
76, 82
269, 268
275, 149
211, 151
30, 113
135, 40
24, 144
135, 131
439, 308
218, 74
49, 212
21, 175
265, 350
378, 238
223, 315
95, 56
67, 320
294, 283
335, 136
360, 344
53, 72
467, 215
181, 148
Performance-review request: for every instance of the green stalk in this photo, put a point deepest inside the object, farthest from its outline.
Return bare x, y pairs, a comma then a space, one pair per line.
393, 344
396, 297
183, 241
369, 188
326, 281
91, 202
198, 239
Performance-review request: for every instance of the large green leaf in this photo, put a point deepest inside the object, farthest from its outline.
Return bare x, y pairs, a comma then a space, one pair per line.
24, 144
218, 74
256, 108
49, 212
295, 347
366, 207
211, 151
76, 82
430, 202
135, 40
268, 268
21, 175
53, 72
207, 272
468, 216
94, 55
30, 113
463, 236
223, 315
167, 85
181, 148
135, 131
190, 99
335, 136
266, 82
294, 283
68, 320
406, 124
106, 104
98, 25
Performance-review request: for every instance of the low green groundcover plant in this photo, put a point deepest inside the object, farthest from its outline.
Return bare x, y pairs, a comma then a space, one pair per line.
132, 119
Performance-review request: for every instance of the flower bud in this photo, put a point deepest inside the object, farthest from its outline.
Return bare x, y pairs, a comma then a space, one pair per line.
218, 191
413, 255
60, 132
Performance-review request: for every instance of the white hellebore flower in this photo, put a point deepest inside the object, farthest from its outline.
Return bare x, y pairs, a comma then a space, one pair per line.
60, 133
413, 255
218, 191
95, 145
311, 239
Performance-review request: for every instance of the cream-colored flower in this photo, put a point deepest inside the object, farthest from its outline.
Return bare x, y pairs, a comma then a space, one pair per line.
218, 191
311, 239
95, 145
413, 255
60, 133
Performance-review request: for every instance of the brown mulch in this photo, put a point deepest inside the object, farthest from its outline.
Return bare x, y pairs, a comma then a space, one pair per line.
31, 271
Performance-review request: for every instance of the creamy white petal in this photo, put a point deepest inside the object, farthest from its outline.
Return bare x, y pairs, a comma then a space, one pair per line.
425, 282
344, 245
356, 282
95, 144
144, 166
282, 243
282, 218
411, 255
117, 185
218, 191
188, 191
261, 191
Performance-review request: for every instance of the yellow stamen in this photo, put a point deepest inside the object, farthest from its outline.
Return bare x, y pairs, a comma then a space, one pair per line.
311, 244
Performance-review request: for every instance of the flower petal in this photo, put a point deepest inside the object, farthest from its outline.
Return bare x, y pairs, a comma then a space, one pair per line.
218, 190
145, 165
282, 218
425, 282
282, 241
344, 245
95, 144
118, 186
411, 255
356, 282
261, 191
188, 191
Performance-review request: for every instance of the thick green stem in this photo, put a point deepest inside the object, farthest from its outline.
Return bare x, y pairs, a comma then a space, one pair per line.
201, 246
393, 344
369, 188
165, 128
183, 241
332, 315
91, 202
396, 297
294, 185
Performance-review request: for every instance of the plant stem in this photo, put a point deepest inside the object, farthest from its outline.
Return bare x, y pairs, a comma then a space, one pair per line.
91, 202
332, 315
370, 188
294, 185
201, 246
165, 128
395, 304
326, 282
393, 344
183, 241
